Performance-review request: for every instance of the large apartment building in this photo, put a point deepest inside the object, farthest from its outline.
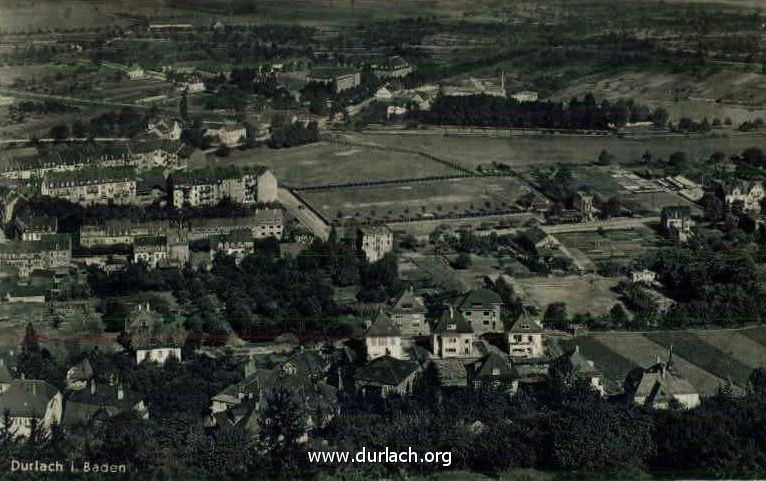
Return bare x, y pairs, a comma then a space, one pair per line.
92, 186
375, 241
209, 186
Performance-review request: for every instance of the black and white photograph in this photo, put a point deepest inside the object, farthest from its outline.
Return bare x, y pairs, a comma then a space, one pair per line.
382, 240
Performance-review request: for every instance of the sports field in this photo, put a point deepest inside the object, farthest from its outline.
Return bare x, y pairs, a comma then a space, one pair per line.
418, 200
324, 163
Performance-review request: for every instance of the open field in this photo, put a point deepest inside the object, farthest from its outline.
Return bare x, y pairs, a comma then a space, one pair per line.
431, 270
325, 163
740, 96
392, 202
580, 294
531, 151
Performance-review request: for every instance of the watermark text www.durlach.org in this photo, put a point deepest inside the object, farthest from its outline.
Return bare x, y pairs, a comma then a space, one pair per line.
384, 456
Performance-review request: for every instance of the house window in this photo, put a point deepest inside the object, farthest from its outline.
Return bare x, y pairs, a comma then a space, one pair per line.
495, 372
516, 338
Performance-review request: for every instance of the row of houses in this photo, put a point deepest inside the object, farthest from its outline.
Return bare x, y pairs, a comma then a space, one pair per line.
199, 187
141, 156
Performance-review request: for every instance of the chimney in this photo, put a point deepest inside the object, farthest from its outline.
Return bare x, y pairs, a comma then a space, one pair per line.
451, 312
120, 392
93, 386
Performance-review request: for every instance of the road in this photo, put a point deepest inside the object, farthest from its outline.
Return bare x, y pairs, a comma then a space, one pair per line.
304, 215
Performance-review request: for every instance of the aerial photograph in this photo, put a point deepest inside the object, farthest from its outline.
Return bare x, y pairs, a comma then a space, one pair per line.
382, 240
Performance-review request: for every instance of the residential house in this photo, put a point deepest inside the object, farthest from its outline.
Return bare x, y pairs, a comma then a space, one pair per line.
308, 363
92, 186
384, 94
748, 194
33, 228
228, 133
27, 400
526, 338
165, 129
100, 401
525, 96
535, 240
135, 72
453, 335
573, 365
151, 338
393, 67
23, 257
268, 223
409, 314
385, 376
238, 243
482, 308
209, 186
660, 386
243, 404
150, 250
375, 242
644, 276
676, 222
583, 203
383, 338
491, 372
79, 375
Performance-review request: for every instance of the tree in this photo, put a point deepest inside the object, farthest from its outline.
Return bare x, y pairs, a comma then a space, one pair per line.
605, 158
556, 316
462, 261
282, 425
59, 132
660, 117
618, 315
183, 107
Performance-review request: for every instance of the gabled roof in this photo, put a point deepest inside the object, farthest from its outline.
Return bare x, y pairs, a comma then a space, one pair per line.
493, 365
308, 363
409, 302
82, 371
481, 298
27, 398
534, 235
386, 370
452, 321
527, 325
660, 382
83, 405
579, 364
382, 326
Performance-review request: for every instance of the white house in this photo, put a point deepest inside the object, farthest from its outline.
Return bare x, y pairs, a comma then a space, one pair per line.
525, 96
526, 338
383, 338
453, 335
384, 94
26, 400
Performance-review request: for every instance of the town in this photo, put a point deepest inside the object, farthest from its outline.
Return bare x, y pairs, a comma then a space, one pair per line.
529, 234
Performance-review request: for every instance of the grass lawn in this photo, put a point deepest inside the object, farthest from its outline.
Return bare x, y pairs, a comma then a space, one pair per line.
530, 151
322, 163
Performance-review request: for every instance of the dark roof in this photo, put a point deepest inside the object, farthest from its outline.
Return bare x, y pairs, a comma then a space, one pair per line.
308, 363
27, 398
82, 405
386, 370
534, 235
92, 175
480, 299
383, 326
409, 302
211, 174
526, 324
579, 364
453, 321
491, 363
